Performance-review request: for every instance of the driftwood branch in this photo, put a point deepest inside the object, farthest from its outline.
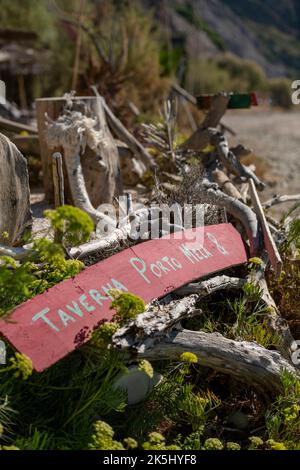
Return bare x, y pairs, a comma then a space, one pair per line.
231, 162
151, 326
17, 253
156, 334
225, 184
281, 200
213, 195
246, 362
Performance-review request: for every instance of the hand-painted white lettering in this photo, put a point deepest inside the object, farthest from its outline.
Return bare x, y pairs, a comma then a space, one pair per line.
65, 318
119, 285
42, 315
220, 248
89, 308
155, 270
107, 290
136, 262
96, 296
75, 309
176, 263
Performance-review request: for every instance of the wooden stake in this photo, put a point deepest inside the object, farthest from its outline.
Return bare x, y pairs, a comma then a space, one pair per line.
58, 179
270, 245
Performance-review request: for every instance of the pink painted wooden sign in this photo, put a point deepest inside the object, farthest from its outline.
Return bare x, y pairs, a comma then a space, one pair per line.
51, 325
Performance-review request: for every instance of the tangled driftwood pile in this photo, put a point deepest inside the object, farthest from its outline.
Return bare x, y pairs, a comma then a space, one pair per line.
83, 130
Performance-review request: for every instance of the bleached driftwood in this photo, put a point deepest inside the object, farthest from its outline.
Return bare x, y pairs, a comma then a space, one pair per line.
214, 284
58, 179
231, 162
225, 183
15, 213
17, 253
128, 227
157, 335
281, 200
246, 362
150, 326
270, 245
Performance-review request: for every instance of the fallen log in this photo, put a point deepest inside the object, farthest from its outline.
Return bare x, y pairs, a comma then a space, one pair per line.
151, 335
246, 362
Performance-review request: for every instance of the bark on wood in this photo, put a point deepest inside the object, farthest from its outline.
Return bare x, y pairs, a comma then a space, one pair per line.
98, 168
226, 184
270, 245
15, 214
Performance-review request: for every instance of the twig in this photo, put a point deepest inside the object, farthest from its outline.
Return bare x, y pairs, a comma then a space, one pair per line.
280, 200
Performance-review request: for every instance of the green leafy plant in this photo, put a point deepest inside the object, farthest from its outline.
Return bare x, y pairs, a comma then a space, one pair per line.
283, 416
126, 305
72, 226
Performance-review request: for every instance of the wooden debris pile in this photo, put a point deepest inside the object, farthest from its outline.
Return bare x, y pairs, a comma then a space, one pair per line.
84, 131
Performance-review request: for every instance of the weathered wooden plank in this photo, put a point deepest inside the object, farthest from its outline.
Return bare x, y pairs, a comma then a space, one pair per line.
60, 320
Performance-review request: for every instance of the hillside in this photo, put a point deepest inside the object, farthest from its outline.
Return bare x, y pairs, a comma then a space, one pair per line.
265, 32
